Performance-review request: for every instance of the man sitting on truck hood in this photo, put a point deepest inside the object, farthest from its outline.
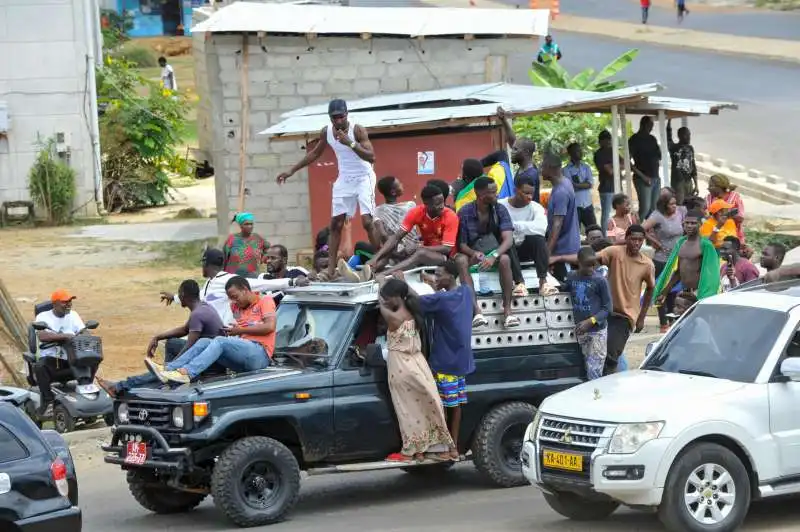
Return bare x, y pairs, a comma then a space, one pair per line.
213, 291
247, 346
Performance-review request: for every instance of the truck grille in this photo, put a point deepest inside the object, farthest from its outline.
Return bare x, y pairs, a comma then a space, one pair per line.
149, 414
572, 437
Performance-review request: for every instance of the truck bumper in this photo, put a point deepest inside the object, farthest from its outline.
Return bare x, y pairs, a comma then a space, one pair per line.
159, 454
627, 478
68, 520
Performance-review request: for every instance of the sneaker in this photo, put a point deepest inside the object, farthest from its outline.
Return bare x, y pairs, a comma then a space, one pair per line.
155, 368
479, 321
366, 273
346, 272
520, 290
107, 386
174, 377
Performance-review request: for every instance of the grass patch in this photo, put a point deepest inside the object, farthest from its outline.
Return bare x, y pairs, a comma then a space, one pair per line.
180, 254
140, 56
756, 240
781, 5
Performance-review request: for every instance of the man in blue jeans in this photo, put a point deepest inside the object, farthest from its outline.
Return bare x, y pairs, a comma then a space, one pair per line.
204, 324
646, 156
247, 346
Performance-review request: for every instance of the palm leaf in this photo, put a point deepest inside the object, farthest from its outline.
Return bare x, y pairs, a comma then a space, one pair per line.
544, 75
614, 67
581, 81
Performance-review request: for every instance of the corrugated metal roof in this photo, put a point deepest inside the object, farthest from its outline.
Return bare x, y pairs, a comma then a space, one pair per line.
519, 99
680, 106
248, 17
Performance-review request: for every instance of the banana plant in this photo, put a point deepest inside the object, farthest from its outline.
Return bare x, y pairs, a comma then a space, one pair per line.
552, 74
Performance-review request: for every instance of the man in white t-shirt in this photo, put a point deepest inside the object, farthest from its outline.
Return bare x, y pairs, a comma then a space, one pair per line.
167, 75
62, 324
354, 187
530, 225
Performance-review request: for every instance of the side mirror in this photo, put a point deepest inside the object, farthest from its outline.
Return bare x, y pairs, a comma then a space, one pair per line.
40, 326
649, 349
374, 356
790, 368
92, 324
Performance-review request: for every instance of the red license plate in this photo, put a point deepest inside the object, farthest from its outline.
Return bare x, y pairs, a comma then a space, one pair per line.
136, 453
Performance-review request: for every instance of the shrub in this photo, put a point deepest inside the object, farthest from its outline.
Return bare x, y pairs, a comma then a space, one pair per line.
137, 56
51, 182
115, 27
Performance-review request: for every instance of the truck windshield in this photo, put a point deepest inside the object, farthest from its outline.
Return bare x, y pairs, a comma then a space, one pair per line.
309, 334
722, 341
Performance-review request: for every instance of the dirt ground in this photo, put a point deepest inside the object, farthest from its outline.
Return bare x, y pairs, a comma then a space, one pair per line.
116, 283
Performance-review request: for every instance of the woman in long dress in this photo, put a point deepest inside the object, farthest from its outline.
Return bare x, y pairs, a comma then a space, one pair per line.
416, 400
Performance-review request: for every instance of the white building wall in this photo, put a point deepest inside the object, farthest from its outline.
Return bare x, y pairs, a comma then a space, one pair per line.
43, 81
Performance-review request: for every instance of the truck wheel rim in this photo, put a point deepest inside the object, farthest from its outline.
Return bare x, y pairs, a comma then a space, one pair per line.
710, 494
261, 485
511, 445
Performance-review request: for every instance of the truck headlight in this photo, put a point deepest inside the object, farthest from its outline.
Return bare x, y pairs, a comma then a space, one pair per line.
122, 413
629, 437
177, 417
530, 432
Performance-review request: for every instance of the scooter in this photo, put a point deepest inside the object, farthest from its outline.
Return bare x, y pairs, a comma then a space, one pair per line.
76, 397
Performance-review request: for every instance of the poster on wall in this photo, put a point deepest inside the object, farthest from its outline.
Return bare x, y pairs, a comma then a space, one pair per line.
425, 163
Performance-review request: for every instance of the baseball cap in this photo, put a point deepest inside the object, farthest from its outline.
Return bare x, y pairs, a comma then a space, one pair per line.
337, 107
213, 257
61, 296
718, 205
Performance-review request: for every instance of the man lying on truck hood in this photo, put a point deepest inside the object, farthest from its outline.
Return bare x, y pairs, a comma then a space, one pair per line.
213, 291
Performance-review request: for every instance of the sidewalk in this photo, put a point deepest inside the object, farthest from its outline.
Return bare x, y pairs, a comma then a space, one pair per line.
775, 49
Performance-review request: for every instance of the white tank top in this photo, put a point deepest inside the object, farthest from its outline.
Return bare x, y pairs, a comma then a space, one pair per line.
350, 164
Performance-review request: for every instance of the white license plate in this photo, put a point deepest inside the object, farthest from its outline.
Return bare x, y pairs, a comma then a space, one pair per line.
136, 453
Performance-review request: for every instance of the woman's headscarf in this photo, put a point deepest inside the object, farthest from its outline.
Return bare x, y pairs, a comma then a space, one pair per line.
722, 182
243, 218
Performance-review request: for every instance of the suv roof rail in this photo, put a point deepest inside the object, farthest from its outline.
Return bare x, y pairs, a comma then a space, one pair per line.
339, 289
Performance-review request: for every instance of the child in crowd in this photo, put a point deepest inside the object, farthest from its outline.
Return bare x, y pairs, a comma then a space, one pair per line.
622, 219
591, 305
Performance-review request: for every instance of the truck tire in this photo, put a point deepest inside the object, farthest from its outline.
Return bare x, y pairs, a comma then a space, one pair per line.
498, 443
696, 471
256, 481
577, 508
152, 494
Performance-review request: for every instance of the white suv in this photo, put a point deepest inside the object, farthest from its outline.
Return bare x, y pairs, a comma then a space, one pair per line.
709, 422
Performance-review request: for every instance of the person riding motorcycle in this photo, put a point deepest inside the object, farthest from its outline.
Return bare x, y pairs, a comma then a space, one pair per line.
63, 323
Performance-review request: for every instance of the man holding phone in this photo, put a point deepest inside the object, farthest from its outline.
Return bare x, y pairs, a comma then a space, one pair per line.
735, 269
355, 184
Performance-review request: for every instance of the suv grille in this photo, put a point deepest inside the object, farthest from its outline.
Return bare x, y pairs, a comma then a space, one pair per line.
149, 414
571, 437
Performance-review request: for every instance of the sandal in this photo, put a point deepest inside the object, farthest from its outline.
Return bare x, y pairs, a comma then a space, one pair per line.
511, 321
548, 290
479, 321
520, 290
365, 275
439, 457
399, 457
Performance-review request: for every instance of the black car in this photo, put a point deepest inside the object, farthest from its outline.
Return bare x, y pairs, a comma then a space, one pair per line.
324, 407
38, 484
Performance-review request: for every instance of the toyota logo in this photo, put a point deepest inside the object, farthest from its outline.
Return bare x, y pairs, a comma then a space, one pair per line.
142, 415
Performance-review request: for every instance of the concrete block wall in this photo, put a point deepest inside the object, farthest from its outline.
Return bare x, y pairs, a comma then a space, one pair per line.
43, 81
286, 73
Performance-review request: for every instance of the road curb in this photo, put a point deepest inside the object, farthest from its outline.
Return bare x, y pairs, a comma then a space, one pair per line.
756, 47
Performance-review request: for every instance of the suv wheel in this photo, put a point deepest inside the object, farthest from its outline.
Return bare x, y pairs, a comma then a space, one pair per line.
152, 494
256, 481
498, 443
577, 508
708, 488
62, 420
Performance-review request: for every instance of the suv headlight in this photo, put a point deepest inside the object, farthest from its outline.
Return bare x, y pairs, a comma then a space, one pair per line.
530, 432
629, 437
177, 417
122, 413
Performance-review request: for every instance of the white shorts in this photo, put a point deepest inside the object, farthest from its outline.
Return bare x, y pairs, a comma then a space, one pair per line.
349, 193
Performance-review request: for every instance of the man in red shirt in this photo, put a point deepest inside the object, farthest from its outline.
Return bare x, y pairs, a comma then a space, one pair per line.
438, 230
248, 345
645, 10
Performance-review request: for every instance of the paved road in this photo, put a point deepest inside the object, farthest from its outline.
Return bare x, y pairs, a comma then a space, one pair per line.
173, 231
758, 135
768, 24
386, 501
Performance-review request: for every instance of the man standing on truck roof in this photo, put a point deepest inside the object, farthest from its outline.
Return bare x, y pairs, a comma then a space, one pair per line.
213, 291
628, 270
204, 324
355, 183
247, 346
451, 358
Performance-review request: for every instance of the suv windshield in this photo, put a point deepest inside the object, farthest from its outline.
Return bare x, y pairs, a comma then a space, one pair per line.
722, 341
309, 334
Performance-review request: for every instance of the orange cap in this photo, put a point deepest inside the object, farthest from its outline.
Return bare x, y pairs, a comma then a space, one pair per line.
61, 296
717, 205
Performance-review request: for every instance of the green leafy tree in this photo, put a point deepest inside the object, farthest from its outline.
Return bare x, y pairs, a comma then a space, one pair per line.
51, 182
554, 132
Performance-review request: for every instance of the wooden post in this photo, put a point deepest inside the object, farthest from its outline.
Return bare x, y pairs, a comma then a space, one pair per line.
245, 121
665, 158
615, 148
626, 149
